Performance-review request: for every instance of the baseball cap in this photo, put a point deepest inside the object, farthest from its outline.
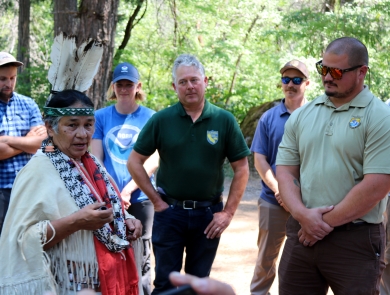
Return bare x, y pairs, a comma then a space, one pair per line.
297, 65
125, 71
6, 58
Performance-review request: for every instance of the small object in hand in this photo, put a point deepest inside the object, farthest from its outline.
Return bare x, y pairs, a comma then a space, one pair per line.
119, 241
102, 208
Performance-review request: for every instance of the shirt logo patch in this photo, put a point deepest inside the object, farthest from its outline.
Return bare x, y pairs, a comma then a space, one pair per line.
212, 137
354, 123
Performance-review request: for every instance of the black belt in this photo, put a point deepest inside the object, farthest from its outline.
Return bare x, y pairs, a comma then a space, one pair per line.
352, 225
189, 204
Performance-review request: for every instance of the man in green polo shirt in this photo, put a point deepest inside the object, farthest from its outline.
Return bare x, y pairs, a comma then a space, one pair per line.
193, 139
333, 171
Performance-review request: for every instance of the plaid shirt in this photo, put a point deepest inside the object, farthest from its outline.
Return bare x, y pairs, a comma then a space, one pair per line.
16, 118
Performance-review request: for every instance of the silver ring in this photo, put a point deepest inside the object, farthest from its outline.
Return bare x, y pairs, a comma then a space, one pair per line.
306, 242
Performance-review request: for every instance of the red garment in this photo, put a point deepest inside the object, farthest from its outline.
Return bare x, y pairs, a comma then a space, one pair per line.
117, 271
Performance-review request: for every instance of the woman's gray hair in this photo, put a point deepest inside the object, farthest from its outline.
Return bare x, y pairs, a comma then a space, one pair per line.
53, 122
186, 60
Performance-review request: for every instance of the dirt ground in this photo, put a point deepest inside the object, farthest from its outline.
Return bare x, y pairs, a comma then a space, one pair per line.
237, 252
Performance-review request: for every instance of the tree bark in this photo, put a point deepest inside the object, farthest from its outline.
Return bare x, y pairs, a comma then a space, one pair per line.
94, 19
65, 17
24, 43
98, 20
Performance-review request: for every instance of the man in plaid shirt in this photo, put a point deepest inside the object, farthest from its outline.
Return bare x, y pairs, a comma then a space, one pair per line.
21, 129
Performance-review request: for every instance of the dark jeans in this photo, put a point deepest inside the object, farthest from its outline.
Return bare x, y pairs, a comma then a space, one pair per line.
5, 195
144, 211
176, 229
350, 260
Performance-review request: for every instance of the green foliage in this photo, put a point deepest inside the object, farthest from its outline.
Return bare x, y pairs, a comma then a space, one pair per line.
245, 40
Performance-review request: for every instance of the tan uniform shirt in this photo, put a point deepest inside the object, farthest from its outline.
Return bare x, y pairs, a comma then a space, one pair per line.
336, 147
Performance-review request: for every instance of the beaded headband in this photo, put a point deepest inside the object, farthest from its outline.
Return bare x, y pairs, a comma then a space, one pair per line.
58, 112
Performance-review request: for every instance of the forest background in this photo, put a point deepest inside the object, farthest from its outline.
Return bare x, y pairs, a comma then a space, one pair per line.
242, 44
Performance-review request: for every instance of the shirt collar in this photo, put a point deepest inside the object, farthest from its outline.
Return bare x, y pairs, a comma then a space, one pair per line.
11, 99
361, 100
283, 109
206, 112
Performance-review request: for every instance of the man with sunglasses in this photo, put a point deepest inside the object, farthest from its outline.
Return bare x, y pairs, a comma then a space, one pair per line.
268, 135
333, 172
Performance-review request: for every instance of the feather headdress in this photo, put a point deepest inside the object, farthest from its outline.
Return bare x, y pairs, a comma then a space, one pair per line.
73, 67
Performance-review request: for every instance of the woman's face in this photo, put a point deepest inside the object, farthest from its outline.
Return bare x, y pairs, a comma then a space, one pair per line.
74, 135
125, 89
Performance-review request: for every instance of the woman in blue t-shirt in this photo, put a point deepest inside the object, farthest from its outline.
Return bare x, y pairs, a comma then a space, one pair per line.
116, 131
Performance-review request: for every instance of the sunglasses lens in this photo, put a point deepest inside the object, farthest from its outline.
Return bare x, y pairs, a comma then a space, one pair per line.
297, 80
320, 69
336, 73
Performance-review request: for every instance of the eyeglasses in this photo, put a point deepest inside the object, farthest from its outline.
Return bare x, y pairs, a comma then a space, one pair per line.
295, 80
336, 73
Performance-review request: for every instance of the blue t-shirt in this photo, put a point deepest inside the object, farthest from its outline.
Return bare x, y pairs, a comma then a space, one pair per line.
119, 133
17, 117
268, 135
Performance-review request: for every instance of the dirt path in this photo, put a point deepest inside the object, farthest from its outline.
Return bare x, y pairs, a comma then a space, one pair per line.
237, 252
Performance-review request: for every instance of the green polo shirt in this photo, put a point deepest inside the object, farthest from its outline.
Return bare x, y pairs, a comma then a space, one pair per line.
336, 147
192, 154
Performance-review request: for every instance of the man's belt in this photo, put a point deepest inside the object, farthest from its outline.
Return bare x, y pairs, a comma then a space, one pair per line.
190, 204
352, 225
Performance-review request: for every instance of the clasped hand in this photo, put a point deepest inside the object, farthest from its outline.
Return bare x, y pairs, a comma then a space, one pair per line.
313, 228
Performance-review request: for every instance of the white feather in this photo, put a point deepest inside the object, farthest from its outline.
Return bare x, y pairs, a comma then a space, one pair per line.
72, 67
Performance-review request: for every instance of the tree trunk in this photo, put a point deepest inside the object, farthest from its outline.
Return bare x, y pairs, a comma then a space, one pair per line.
65, 17
94, 19
24, 44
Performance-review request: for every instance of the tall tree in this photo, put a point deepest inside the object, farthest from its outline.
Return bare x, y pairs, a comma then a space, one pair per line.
92, 19
65, 17
24, 43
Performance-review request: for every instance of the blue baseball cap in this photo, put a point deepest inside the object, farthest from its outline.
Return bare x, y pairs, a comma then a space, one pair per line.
125, 71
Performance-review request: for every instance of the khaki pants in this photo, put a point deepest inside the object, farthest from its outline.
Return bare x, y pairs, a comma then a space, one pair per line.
272, 232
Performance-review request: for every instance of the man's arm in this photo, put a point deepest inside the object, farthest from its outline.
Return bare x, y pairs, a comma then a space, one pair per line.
221, 220
135, 164
290, 191
362, 198
13, 145
150, 166
97, 149
7, 151
267, 175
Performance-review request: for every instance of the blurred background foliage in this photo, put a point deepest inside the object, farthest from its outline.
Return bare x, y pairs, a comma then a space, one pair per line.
242, 44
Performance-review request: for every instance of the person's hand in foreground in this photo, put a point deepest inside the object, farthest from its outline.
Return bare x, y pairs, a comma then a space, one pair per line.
202, 286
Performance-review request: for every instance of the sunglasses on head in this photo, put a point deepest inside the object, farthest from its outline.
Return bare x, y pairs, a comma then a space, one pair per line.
336, 73
295, 80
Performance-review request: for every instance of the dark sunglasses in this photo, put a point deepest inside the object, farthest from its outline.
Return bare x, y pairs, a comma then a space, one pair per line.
295, 80
336, 73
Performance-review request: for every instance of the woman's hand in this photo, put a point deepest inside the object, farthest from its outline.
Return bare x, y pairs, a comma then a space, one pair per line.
92, 216
88, 218
134, 229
